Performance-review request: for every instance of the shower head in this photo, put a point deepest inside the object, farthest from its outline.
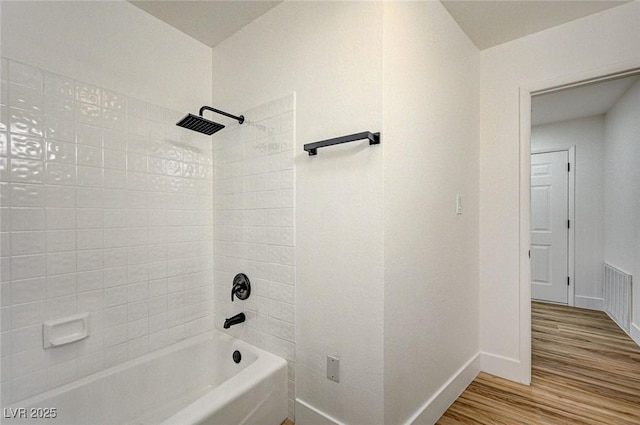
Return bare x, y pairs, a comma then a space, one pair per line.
199, 124
203, 125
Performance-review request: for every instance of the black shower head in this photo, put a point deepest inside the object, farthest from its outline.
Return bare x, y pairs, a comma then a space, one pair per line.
203, 125
199, 124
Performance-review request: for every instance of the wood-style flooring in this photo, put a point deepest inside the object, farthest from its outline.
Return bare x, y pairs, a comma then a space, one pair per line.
585, 370
288, 422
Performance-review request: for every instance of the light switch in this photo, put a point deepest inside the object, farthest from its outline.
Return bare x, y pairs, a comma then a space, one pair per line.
459, 203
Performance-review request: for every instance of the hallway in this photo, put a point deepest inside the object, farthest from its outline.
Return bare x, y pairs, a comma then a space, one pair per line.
585, 371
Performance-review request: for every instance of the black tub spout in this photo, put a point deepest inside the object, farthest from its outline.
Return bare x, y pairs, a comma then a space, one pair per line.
238, 318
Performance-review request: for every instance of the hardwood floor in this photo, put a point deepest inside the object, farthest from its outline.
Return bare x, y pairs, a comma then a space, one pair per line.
288, 422
585, 371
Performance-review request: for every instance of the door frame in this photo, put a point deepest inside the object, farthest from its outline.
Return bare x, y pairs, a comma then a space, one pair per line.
571, 241
572, 79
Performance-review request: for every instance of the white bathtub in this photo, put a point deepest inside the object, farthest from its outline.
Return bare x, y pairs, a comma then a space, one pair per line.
193, 382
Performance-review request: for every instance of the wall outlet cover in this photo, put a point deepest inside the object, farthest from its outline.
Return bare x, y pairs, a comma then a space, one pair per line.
333, 368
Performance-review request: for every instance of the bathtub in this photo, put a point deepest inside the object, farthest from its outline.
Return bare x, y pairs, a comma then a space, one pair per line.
193, 382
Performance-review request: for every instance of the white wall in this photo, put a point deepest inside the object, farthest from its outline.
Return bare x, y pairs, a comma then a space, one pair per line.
622, 191
431, 126
330, 55
587, 135
587, 47
106, 205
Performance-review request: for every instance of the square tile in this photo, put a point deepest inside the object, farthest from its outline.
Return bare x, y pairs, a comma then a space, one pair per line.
88, 94
27, 171
63, 152
61, 307
28, 123
89, 114
59, 128
61, 263
60, 174
90, 218
23, 219
115, 159
89, 135
90, 239
89, 197
115, 139
89, 156
114, 101
89, 281
60, 107
28, 266
26, 99
61, 285
60, 218
136, 108
26, 243
58, 85
61, 240
26, 195
90, 176
25, 75
114, 120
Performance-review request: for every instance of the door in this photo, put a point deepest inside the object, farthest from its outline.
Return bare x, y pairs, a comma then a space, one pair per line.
550, 226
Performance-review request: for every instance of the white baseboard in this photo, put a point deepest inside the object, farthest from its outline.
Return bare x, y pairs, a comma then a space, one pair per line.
427, 414
592, 303
309, 415
635, 333
504, 367
432, 409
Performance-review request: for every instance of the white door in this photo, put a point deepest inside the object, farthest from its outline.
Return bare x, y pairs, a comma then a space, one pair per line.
550, 226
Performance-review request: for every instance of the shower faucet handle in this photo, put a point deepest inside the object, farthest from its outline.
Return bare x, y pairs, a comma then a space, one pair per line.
241, 287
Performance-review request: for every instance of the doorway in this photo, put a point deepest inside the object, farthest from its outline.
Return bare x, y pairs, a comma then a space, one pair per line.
582, 119
589, 295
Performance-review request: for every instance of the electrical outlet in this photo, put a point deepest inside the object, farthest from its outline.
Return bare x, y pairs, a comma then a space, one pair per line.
333, 368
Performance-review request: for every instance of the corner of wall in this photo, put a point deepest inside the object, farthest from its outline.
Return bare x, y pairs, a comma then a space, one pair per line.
504, 367
437, 405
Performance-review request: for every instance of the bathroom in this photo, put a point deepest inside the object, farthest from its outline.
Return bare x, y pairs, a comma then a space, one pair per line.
357, 252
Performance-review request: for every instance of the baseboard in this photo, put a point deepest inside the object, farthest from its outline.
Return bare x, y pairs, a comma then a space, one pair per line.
635, 333
503, 367
591, 303
309, 415
432, 409
427, 414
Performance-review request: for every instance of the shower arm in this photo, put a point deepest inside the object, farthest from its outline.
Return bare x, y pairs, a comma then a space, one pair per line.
240, 119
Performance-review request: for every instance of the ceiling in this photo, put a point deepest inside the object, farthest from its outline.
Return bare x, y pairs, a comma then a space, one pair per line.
486, 22
489, 23
208, 21
579, 102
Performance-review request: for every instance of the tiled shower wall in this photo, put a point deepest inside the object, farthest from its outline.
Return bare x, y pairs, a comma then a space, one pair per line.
105, 207
254, 227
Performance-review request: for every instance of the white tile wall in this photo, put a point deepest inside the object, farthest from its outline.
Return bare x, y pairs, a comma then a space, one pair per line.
254, 227
105, 207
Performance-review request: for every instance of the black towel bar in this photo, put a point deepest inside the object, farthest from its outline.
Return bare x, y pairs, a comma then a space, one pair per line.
312, 148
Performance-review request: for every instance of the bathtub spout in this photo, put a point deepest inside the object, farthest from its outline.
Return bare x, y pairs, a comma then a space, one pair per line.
238, 318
